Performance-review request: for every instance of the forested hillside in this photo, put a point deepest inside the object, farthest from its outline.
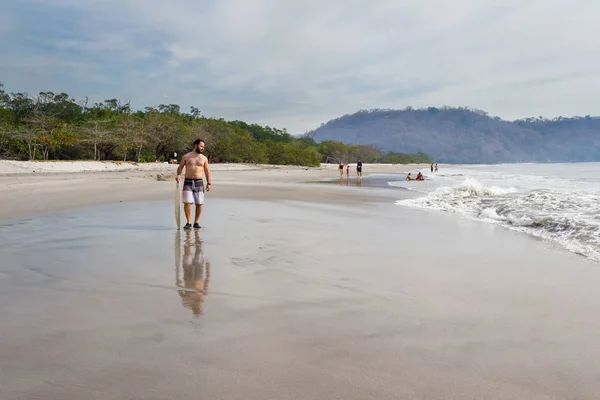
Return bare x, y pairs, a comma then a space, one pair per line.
463, 135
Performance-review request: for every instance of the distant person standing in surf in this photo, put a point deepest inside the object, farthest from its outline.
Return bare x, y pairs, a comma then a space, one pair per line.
341, 167
196, 164
359, 169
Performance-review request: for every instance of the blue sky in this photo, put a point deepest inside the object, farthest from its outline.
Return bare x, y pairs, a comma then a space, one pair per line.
298, 64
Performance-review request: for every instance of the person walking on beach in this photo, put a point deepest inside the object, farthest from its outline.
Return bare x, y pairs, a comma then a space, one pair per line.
196, 165
347, 171
359, 169
341, 166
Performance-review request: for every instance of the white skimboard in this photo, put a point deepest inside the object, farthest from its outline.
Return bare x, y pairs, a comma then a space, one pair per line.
178, 205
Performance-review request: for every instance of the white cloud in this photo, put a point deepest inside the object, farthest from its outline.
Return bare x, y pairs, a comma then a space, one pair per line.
297, 64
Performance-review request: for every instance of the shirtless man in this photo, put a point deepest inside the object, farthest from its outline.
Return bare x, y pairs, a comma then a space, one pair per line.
195, 164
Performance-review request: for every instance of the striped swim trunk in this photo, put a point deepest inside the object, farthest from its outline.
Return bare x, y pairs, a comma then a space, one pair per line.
193, 191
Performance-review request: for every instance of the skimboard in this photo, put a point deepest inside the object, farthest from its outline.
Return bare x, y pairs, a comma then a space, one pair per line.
178, 205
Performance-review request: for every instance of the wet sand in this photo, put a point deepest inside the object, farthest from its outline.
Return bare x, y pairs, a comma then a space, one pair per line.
289, 291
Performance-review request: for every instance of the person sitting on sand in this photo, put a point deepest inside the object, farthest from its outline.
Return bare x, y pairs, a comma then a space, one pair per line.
409, 177
420, 177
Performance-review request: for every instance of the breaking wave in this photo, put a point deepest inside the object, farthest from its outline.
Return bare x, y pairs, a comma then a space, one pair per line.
570, 218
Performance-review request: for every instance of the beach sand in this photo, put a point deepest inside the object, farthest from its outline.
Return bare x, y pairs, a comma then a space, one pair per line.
289, 291
56, 186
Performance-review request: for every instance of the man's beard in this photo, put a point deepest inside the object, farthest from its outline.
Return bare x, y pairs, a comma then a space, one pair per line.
198, 151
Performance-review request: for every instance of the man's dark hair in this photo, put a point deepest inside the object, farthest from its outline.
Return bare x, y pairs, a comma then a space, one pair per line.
197, 142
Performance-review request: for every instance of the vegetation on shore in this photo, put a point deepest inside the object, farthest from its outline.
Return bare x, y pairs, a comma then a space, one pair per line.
53, 126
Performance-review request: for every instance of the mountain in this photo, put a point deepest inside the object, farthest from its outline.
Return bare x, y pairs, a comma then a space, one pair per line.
464, 135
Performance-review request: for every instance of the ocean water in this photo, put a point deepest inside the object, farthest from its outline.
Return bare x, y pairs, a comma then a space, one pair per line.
556, 202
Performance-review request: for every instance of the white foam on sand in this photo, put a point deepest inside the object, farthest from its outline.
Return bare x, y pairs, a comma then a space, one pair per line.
568, 217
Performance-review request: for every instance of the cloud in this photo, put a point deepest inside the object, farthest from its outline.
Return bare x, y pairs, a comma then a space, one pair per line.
297, 64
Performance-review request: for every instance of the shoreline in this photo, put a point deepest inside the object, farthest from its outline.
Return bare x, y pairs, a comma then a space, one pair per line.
24, 193
16, 168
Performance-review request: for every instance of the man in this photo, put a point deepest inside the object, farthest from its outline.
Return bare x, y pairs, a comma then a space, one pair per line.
195, 164
359, 169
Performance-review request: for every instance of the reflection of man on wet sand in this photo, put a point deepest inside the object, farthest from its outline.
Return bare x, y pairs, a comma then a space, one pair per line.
195, 283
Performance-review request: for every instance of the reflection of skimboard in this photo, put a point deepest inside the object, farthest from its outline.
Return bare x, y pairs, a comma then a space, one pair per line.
178, 205
177, 256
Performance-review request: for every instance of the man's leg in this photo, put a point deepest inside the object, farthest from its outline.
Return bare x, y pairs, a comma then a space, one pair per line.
187, 198
198, 212
198, 200
186, 209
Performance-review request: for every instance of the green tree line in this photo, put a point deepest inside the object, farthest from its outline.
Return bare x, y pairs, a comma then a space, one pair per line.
53, 126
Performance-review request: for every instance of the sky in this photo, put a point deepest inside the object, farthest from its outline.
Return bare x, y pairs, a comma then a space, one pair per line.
297, 64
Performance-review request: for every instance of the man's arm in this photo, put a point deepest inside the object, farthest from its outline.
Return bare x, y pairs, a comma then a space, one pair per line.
180, 168
207, 174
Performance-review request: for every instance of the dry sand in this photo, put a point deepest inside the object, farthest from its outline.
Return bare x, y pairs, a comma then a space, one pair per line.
301, 292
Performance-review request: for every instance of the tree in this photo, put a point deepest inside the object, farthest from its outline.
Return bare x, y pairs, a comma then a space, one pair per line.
20, 106
95, 134
58, 137
169, 109
27, 136
332, 151
115, 106
307, 140
58, 106
3, 96
131, 136
166, 132
194, 112
363, 152
239, 146
47, 133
